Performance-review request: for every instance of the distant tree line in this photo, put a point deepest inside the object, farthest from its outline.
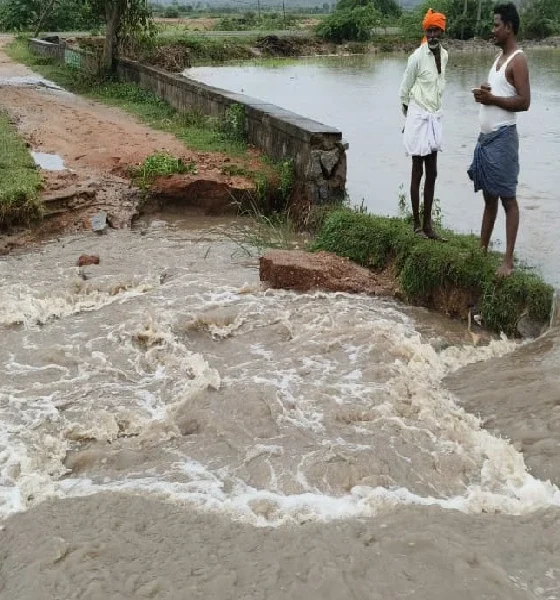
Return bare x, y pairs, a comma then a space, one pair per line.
355, 20
473, 18
179, 8
351, 20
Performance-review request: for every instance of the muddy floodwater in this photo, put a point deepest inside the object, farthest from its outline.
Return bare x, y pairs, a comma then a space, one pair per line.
169, 429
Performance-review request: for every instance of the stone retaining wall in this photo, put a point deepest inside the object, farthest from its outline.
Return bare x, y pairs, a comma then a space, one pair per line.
317, 150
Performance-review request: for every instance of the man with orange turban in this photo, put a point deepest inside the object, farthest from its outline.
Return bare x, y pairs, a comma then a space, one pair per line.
420, 93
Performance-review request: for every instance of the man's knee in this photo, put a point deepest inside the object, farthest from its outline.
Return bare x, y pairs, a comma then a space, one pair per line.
490, 200
417, 168
431, 167
509, 204
431, 173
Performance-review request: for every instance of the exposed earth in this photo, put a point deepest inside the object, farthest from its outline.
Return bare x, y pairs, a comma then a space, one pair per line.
99, 145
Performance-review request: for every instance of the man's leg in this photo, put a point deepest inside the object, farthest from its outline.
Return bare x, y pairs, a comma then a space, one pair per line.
415, 179
488, 220
512, 225
429, 188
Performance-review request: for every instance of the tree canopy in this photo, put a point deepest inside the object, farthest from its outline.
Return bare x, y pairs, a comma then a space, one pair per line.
124, 20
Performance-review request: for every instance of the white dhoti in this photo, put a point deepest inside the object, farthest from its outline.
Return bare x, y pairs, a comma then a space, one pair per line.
422, 131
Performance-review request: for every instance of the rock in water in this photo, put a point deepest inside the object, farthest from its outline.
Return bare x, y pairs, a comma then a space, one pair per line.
86, 259
99, 222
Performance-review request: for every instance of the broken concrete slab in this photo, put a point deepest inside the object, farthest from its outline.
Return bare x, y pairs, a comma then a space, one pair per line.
309, 271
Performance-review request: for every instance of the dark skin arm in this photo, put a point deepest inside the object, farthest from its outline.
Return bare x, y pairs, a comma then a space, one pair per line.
517, 73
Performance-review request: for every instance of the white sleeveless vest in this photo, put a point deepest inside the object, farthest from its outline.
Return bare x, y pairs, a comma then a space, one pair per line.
494, 117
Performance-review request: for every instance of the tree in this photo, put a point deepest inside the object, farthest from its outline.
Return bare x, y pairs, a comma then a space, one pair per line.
48, 9
387, 8
465, 18
126, 20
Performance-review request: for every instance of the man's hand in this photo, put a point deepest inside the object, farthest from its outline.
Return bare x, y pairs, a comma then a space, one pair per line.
483, 95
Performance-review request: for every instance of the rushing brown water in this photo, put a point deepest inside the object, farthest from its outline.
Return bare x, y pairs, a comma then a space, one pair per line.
169, 429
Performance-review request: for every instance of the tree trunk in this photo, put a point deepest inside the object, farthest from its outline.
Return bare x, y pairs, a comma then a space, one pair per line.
43, 16
114, 10
478, 18
465, 9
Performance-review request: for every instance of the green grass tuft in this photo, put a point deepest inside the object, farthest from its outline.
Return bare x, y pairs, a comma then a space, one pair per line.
161, 164
20, 180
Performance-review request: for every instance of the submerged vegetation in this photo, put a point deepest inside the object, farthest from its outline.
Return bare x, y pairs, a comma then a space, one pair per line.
454, 277
20, 180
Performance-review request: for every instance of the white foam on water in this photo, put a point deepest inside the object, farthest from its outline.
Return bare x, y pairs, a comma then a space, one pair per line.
133, 372
34, 445
205, 491
504, 486
24, 305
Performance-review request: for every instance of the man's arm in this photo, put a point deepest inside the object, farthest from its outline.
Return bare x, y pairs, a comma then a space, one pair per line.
522, 100
408, 81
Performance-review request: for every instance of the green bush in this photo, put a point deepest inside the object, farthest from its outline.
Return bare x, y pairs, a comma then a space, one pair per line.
171, 12
386, 8
161, 164
349, 24
428, 269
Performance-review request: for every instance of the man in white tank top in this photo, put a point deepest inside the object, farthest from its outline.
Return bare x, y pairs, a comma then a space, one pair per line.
495, 165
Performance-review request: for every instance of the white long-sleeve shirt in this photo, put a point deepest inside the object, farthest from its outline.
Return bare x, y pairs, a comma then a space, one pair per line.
422, 84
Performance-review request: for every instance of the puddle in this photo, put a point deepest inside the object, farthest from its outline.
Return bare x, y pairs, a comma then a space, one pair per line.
48, 162
28, 80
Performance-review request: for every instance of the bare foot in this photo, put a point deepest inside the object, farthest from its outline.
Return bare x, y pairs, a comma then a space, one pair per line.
432, 235
505, 270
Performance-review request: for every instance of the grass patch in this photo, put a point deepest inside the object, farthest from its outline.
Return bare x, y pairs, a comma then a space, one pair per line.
454, 276
275, 230
20, 180
161, 164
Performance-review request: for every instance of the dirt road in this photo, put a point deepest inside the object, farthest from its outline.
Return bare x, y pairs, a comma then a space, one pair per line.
98, 145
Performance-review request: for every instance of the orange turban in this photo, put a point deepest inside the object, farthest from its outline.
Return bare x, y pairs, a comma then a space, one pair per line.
433, 19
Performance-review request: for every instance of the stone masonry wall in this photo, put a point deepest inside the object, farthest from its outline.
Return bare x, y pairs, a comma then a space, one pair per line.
317, 150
